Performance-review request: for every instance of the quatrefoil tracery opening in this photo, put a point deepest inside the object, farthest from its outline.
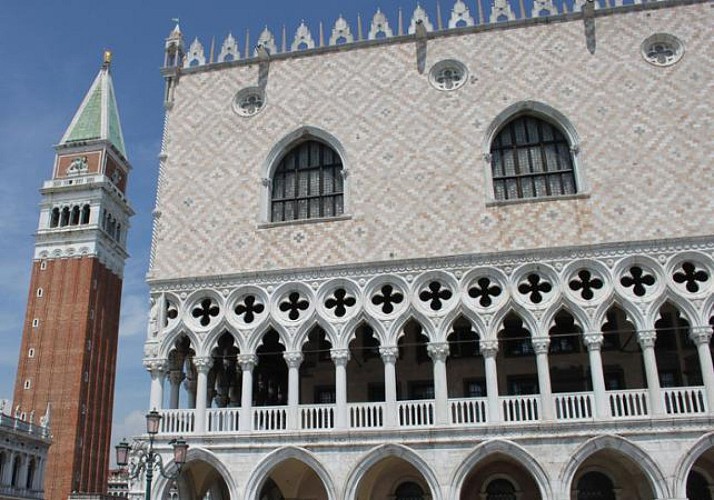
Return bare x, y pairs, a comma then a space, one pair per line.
205, 310
535, 287
249, 308
171, 312
690, 276
483, 291
586, 283
294, 305
638, 280
435, 295
387, 298
340, 302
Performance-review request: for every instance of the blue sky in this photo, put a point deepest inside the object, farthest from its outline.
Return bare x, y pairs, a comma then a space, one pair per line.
50, 53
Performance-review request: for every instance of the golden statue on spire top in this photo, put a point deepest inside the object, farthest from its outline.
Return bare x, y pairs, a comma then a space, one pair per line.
107, 58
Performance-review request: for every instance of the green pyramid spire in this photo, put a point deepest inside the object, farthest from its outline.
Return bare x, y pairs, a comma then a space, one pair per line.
97, 117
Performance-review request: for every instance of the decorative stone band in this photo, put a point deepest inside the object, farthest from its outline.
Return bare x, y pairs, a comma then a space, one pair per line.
247, 361
109, 254
293, 359
203, 365
593, 341
156, 366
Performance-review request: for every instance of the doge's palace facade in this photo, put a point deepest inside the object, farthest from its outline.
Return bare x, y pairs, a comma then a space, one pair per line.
462, 255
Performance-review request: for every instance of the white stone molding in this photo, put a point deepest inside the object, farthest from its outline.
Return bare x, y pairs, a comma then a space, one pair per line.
701, 263
247, 300
460, 16
649, 266
196, 55
229, 50
293, 358
542, 283
303, 39
203, 364
341, 31
500, 446
488, 348
213, 314
473, 280
686, 463
339, 307
389, 354
420, 15
543, 8
267, 41
380, 25
195, 453
340, 356
501, 11
438, 351
621, 446
375, 287
435, 289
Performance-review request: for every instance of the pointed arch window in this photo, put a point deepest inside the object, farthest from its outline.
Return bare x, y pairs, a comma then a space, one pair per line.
308, 183
531, 158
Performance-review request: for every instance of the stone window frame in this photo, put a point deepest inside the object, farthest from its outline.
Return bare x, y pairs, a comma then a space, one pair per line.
553, 117
673, 41
272, 161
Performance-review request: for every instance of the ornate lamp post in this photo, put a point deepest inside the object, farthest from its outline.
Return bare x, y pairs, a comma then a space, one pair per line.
150, 460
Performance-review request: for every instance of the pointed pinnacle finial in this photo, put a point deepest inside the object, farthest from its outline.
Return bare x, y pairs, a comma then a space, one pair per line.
107, 58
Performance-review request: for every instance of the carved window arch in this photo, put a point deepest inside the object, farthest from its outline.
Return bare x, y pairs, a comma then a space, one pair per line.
531, 158
307, 183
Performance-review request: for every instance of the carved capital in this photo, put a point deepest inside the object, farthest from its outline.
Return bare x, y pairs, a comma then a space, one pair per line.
438, 351
247, 362
176, 377
265, 181
389, 354
701, 335
203, 365
293, 358
593, 341
647, 339
540, 345
487, 158
489, 348
156, 366
575, 149
340, 356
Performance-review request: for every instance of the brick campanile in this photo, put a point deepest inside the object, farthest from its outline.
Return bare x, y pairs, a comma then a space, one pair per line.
68, 352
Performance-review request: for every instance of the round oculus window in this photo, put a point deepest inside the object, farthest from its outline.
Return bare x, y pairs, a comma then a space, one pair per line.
662, 49
448, 75
249, 101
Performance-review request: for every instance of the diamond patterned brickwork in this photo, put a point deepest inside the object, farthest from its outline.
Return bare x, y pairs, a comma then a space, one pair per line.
415, 155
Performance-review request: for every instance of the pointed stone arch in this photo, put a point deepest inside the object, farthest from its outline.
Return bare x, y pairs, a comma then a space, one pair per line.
396, 331
216, 333
683, 306
167, 343
376, 455
256, 339
529, 321
196, 454
476, 320
687, 461
581, 318
262, 471
301, 336
634, 315
349, 331
622, 446
503, 447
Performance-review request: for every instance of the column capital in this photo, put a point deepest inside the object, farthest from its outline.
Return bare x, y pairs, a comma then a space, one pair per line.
293, 358
438, 351
593, 341
488, 348
247, 361
340, 356
203, 365
646, 338
540, 345
176, 377
700, 334
389, 354
156, 366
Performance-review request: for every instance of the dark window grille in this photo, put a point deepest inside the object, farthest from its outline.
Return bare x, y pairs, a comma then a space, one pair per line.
595, 486
500, 489
530, 158
307, 184
409, 491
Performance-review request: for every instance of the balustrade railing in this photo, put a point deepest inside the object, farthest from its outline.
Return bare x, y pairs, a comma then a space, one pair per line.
628, 404
270, 418
178, 421
366, 415
415, 413
684, 400
317, 417
520, 408
577, 406
223, 419
573, 406
468, 410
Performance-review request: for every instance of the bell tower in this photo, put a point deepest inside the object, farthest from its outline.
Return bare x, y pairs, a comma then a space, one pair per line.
68, 352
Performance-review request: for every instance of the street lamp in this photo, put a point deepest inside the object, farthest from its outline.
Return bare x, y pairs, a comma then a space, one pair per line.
150, 460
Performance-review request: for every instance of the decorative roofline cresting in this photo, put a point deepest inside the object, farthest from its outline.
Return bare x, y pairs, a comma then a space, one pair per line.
463, 16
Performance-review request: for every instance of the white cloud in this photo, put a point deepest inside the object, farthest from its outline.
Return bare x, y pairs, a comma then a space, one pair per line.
133, 424
134, 313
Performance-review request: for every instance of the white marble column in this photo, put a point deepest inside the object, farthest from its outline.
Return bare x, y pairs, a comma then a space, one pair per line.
389, 358
293, 359
247, 363
438, 352
203, 366
157, 370
341, 357
646, 340
24, 467
489, 349
540, 347
175, 379
37, 479
593, 341
7, 468
701, 337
